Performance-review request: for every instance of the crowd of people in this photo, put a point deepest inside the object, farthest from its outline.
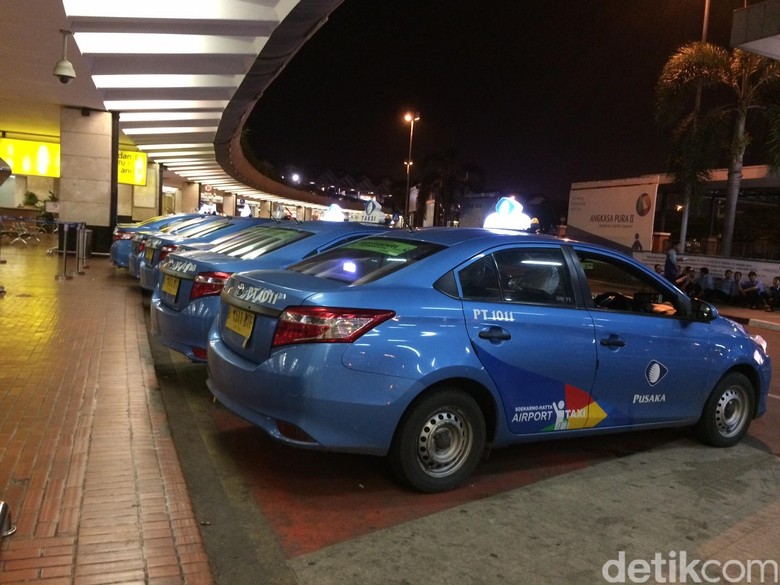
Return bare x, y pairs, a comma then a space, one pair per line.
731, 288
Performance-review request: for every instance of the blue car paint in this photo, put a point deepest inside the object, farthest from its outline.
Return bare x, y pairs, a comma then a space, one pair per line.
351, 397
213, 228
136, 255
183, 324
120, 249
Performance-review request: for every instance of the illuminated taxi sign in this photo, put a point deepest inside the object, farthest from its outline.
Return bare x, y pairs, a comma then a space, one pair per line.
333, 213
32, 158
508, 215
131, 167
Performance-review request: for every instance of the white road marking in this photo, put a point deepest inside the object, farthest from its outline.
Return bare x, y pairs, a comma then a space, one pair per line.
773, 396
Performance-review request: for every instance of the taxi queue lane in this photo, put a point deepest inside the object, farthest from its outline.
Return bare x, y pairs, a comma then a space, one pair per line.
75, 352
537, 513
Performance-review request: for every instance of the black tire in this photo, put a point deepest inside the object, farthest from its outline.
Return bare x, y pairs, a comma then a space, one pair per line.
728, 411
439, 441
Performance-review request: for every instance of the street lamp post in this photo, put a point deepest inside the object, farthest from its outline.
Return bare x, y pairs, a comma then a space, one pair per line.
411, 118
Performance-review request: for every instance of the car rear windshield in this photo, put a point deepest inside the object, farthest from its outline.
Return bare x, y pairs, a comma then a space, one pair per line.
259, 240
366, 260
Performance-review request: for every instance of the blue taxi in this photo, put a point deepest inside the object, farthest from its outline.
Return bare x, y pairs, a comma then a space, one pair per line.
141, 236
431, 346
158, 246
186, 300
122, 236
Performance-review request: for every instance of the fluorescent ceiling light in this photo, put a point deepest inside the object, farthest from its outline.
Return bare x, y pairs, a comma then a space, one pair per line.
181, 145
169, 130
173, 9
164, 44
160, 80
127, 105
167, 116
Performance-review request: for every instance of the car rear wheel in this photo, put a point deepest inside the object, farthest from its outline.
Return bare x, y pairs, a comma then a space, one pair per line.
439, 441
728, 412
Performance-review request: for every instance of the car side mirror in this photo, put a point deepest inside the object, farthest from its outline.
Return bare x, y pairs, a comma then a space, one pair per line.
703, 311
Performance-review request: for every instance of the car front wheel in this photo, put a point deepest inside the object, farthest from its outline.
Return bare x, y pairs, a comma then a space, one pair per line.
439, 441
728, 411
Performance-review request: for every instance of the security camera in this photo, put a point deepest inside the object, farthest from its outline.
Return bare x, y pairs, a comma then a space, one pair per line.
64, 71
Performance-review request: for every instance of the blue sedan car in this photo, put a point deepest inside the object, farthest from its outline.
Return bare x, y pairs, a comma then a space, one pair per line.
122, 243
429, 347
141, 236
158, 246
186, 301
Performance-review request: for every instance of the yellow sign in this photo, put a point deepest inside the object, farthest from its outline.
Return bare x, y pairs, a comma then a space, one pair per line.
28, 157
131, 167
42, 159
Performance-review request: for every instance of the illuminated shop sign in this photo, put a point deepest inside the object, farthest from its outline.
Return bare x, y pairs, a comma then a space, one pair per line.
131, 168
27, 157
42, 159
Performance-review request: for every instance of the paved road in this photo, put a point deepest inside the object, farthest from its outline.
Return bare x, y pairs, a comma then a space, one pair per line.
541, 513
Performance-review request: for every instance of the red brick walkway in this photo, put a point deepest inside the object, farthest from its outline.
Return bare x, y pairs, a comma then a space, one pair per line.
87, 464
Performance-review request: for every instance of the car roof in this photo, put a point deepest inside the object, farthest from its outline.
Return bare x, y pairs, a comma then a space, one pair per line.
331, 226
450, 236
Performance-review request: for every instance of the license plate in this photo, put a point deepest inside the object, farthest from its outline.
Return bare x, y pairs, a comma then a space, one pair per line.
240, 321
149, 254
170, 285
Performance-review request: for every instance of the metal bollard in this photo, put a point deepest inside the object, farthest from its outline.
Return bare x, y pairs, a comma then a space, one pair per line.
2, 261
7, 528
64, 274
81, 241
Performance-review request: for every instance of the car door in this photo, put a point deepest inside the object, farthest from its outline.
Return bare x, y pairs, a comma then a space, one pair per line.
652, 362
535, 343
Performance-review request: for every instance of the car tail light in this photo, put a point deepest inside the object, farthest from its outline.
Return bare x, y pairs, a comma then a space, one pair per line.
208, 284
199, 352
123, 236
326, 324
165, 250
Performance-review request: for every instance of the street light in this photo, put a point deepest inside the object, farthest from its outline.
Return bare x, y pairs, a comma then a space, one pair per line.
411, 118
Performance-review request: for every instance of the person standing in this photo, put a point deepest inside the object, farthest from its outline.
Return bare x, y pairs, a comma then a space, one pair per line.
671, 269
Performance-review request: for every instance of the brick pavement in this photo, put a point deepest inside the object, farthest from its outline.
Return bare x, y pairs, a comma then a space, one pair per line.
87, 464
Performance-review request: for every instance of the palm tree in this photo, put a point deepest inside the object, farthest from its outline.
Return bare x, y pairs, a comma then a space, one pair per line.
445, 180
740, 84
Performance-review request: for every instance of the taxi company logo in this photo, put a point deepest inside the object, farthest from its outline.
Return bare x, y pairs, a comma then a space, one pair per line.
182, 266
644, 398
254, 294
655, 372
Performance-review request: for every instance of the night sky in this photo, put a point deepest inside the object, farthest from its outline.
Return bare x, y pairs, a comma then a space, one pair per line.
539, 94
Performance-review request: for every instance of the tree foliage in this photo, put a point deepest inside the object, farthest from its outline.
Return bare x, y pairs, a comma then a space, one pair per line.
732, 85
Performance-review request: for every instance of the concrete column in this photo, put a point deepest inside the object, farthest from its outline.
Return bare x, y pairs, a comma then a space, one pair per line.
86, 170
190, 198
265, 209
229, 204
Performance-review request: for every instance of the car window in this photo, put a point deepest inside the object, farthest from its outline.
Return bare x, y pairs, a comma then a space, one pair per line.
204, 228
260, 240
366, 260
618, 286
519, 275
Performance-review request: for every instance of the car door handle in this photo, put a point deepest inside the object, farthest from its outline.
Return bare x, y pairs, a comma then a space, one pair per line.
495, 334
613, 341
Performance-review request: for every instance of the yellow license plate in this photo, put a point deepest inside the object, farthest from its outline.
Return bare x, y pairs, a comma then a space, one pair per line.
149, 253
240, 321
170, 285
